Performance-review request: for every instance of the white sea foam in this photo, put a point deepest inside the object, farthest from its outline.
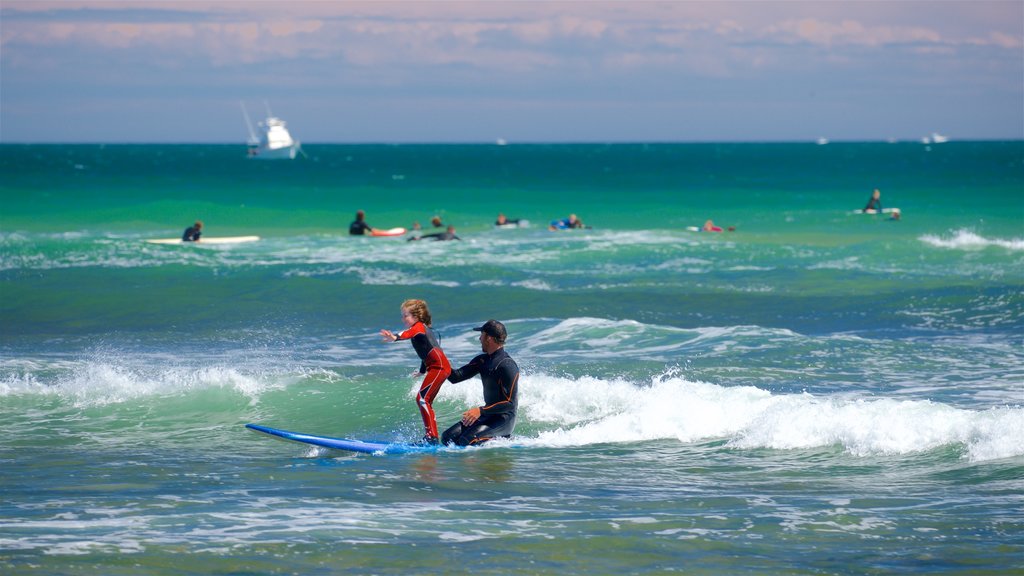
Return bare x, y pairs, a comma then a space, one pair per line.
533, 284
107, 381
964, 239
593, 338
591, 410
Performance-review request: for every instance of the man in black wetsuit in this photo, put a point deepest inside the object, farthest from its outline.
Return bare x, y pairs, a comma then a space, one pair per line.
359, 227
193, 232
500, 376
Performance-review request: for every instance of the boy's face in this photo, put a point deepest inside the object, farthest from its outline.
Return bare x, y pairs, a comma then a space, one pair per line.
407, 317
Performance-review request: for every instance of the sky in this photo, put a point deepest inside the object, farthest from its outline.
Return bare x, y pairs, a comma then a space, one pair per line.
525, 71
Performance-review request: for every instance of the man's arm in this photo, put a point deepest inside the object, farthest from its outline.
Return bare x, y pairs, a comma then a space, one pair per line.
467, 371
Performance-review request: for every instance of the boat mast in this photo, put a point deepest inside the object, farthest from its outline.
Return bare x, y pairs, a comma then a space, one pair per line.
253, 140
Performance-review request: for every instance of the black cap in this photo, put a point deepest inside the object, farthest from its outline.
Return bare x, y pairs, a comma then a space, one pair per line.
494, 329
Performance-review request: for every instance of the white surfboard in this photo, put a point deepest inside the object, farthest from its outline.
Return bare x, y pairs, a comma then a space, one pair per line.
873, 211
204, 240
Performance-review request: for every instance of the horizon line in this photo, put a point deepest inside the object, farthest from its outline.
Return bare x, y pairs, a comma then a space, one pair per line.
503, 144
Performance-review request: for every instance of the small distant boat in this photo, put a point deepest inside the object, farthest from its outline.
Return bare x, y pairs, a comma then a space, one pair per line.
821, 141
935, 138
274, 142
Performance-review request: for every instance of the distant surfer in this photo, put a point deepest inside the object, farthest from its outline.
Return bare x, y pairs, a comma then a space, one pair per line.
359, 227
415, 232
503, 221
193, 232
433, 363
566, 223
874, 203
436, 222
500, 376
448, 234
709, 226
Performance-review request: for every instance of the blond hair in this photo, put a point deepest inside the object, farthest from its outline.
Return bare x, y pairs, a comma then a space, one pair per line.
418, 310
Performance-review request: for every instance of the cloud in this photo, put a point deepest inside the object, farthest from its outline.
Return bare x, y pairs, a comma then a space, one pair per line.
847, 33
491, 34
1001, 40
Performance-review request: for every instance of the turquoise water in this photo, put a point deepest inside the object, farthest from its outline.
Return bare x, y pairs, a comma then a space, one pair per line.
817, 392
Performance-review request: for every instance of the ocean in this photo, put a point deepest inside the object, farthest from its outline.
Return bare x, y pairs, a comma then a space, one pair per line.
817, 391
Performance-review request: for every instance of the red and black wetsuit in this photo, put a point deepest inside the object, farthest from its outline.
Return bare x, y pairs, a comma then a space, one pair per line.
436, 367
500, 376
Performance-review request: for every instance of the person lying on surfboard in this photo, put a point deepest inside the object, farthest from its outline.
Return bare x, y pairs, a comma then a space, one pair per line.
433, 363
503, 220
566, 223
709, 226
193, 232
447, 235
500, 376
359, 227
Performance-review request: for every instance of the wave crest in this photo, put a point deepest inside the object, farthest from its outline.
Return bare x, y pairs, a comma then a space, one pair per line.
964, 239
591, 411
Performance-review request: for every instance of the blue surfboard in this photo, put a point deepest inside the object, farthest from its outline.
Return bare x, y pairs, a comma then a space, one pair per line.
347, 444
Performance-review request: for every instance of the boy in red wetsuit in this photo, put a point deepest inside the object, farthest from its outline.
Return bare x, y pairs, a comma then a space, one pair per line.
434, 363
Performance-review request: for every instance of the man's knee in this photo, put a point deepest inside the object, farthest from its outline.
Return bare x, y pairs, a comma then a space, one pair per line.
451, 435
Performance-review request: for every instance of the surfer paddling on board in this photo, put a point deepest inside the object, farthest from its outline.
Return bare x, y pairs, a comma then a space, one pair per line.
193, 232
503, 220
359, 227
566, 223
449, 234
874, 203
709, 226
433, 363
500, 376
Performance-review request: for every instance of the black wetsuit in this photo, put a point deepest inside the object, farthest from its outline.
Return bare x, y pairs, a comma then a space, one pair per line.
500, 376
191, 234
436, 236
874, 204
359, 228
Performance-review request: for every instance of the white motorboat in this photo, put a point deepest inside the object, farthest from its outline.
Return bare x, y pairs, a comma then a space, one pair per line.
274, 141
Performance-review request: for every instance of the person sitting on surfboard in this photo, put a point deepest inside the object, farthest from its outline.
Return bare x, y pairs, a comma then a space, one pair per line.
433, 363
359, 227
193, 232
875, 202
500, 376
